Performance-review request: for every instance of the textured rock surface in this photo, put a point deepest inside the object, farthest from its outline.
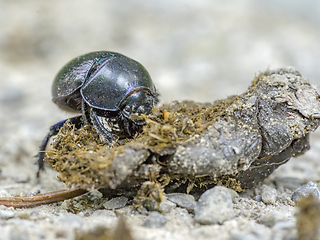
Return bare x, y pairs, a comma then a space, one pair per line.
182, 200
214, 206
268, 195
115, 203
305, 190
166, 206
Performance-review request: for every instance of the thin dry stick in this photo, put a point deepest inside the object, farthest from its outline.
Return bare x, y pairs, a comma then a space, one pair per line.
41, 199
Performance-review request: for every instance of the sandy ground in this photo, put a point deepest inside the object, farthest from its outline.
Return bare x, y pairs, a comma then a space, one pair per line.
199, 51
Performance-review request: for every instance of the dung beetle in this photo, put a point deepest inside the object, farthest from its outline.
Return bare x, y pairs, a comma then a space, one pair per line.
106, 87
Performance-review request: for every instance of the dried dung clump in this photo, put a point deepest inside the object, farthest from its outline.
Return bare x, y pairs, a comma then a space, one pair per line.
184, 146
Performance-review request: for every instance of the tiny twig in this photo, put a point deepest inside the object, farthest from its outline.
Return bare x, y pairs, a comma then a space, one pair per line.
41, 199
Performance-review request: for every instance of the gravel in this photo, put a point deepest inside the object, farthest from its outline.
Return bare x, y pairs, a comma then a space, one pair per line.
268, 195
214, 206
155, 220
115, 203
182, 200
166, 206
305, 190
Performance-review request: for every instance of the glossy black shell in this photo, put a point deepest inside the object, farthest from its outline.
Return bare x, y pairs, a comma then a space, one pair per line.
103, 79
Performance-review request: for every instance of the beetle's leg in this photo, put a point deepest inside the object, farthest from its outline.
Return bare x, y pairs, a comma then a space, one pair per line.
104, 133
85, 113
127, 127
54, 129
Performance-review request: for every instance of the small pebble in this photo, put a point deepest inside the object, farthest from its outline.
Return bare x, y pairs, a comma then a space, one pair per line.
233, 194
155, 220
272, 218
182, 200
268, 195
128, 210
94, 195
304, 191
214, 206
258, 198
30, 194
166, 206
23, 214
150, 204
4, 193
6, 214
102, 213
142, 210
115, 203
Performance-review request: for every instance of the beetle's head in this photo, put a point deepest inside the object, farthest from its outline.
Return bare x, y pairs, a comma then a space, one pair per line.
140, 102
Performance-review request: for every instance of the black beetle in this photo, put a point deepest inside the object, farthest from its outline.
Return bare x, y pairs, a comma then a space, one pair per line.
102, 85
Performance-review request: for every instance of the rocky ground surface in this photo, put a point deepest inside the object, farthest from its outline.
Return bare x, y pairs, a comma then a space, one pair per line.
199, 51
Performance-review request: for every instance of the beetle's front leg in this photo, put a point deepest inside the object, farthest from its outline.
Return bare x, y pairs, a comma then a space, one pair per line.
85, 113
54, 129
106, 135
127, 126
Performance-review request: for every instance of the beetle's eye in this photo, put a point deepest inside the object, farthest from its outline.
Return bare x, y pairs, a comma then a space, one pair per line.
127, 111
127, 108
141, 109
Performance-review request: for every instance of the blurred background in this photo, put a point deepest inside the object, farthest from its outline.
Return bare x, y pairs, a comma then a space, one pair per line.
197, 50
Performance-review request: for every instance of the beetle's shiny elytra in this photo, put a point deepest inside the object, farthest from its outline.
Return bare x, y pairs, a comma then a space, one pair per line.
103, 86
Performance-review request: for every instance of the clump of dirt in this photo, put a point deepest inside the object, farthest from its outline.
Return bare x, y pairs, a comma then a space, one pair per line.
236, 142
79, 154
83, 160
